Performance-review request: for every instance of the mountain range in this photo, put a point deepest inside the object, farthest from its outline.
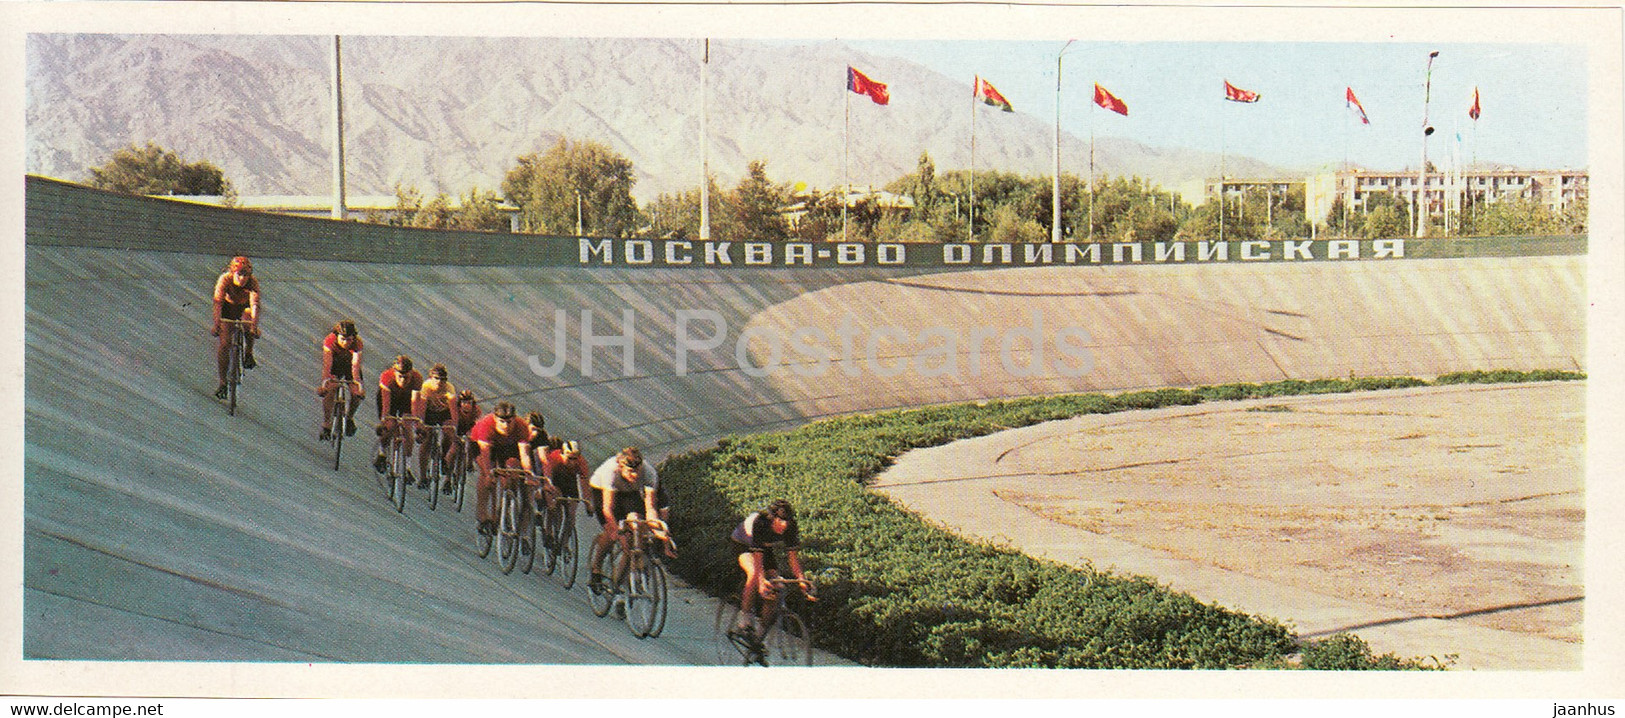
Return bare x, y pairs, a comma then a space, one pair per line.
450, 114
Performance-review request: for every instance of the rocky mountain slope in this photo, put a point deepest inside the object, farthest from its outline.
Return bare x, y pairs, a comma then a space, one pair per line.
447, 114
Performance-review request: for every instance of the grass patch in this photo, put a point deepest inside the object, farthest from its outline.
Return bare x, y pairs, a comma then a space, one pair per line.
897, 590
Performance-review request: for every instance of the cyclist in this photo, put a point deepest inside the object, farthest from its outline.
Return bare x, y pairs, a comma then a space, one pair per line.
237, 298
466, 411
567, 468
538, 429
566, 472
341, 361
625, 484
504, 442
432, 403
754, 540
394, 398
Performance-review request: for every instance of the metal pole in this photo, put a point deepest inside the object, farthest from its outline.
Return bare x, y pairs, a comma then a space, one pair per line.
846, 160
1422, 172
338, 131
705, 159
970, 224
1055, 189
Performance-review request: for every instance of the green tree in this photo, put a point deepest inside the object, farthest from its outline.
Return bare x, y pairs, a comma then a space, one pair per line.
1516, 216
151, 169
550, 187
756, 205
480, 211
677, 216
1385, 215
921, 186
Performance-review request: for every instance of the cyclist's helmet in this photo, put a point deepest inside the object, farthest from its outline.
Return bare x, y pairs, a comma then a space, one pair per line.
781, 509
438, 371
404, 362
504, 410
241, 264
571, 447
345, 328
465, 395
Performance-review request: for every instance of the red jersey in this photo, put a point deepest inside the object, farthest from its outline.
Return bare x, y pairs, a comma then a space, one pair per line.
341, 356
503, 446
561, 471
400, 396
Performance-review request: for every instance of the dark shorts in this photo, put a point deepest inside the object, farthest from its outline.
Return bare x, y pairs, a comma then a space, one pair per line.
627, 502
566, 484
768, 564
435, 418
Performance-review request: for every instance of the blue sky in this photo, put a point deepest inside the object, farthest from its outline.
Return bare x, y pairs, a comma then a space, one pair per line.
1533, 96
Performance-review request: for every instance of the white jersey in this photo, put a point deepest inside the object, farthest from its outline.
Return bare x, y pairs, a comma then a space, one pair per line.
607, 476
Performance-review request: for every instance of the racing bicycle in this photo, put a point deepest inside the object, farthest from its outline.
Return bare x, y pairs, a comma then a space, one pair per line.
784, 637
640, 592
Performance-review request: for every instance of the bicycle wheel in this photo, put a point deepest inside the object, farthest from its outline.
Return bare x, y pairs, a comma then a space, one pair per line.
459, 478
730, 650
602, 597
569, 547
788, 641
431, 450
552, 538
508, 532
234, 370
529, 559
397, 478
642, 597
339, 426
662, 590
482, 542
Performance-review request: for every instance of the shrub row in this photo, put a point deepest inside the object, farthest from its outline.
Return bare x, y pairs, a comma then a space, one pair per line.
896, 590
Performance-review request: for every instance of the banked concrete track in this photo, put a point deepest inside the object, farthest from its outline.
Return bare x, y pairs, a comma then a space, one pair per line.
156, 527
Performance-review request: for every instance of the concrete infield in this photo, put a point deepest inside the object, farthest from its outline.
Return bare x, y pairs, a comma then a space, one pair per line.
1440, 521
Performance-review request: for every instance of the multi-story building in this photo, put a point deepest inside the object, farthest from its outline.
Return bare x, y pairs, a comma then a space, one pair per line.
1444, 193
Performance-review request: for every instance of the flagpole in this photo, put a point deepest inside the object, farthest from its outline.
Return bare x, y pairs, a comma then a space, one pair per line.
970, 226
1222, 151
1347, 131
1091, 176
846, 160
705, 159
1422, 172
1055, 189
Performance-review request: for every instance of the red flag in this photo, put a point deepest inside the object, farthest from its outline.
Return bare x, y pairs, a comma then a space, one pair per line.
861, 84
1473, 113
1354, 102
1236, 94
988, 95
1109, 101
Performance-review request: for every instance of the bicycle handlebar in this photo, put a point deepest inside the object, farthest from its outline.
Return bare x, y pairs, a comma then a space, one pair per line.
808, 588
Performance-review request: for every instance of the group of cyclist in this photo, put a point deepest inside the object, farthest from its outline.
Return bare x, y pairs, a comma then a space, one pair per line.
623, 485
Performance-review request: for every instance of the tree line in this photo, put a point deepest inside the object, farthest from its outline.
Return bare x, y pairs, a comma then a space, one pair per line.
582, 187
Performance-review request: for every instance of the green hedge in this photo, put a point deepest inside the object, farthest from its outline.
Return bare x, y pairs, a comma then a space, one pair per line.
897, 590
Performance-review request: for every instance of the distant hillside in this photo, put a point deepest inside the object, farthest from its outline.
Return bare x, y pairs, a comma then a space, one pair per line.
445, 114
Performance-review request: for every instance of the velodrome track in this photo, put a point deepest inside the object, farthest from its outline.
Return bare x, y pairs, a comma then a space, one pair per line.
158, 528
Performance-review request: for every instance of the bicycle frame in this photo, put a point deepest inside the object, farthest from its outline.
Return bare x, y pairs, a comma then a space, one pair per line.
236, 346
338, 425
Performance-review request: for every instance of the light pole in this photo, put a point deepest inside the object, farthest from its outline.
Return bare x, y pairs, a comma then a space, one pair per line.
338, 131
1055, 189
1422, 172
